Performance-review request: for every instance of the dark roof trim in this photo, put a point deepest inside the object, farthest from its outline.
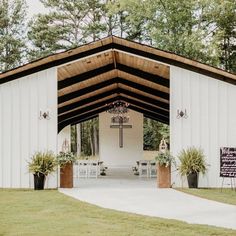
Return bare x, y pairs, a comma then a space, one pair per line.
55, 63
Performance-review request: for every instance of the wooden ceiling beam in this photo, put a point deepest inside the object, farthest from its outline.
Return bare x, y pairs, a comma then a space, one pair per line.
111, 92
85, 101
80, 117
155, 118
93, 110
101, 70
146, 106
84, 76
146, 112
117, 80
87, 108
157, 111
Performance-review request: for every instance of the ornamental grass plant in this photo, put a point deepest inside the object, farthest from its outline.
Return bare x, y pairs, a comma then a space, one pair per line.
192, 160
42, 163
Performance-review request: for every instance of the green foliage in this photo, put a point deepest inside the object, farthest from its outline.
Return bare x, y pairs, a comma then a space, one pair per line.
224, 15
89, 138
67, 25
192, 160
202, 30
64, 158
12, 33
153, 132
165, 159
42, 162
89, 144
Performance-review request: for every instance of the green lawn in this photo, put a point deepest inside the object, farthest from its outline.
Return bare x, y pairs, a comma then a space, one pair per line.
226, 195
51, 213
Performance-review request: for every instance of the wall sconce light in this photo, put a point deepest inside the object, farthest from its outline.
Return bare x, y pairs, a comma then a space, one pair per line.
182, 114
44, 115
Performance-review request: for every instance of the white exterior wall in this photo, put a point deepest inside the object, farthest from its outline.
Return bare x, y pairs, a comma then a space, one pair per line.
21, 131
109, 150
211, 121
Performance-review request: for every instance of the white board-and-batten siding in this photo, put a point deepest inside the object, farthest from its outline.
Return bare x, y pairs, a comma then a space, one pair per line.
211, 121
22, 133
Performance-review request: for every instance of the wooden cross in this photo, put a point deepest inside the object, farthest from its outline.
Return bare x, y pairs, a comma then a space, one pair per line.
121, 126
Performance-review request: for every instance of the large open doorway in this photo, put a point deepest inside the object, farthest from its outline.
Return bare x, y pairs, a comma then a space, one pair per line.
124, 73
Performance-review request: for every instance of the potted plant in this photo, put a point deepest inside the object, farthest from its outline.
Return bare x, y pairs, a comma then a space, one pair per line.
192, 162
65, 160
41, 165
164, 161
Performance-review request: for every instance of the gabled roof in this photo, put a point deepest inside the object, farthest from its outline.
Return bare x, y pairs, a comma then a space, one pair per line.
113, 42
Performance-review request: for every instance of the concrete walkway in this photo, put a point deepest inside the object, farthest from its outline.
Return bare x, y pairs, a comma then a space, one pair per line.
141, 196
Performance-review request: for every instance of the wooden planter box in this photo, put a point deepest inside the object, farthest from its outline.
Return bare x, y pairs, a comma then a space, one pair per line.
163, 177
66, 176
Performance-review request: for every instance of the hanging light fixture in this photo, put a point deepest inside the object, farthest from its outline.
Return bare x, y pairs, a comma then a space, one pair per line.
118, 109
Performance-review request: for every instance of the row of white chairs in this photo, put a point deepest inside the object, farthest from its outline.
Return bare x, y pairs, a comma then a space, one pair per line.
147, 168
86, 169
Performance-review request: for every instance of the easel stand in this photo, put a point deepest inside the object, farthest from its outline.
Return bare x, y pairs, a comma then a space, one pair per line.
232, 184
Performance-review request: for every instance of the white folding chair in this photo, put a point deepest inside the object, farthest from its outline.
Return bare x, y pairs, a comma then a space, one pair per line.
76, 169
152, 169
143, 168
83, 169
93, 169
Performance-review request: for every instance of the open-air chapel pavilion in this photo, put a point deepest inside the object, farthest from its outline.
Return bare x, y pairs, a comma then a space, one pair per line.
40, 100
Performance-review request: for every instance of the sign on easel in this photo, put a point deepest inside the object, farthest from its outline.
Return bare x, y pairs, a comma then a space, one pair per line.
228, 162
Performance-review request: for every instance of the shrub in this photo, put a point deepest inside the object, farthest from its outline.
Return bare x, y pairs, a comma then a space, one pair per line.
164, 159
65, 158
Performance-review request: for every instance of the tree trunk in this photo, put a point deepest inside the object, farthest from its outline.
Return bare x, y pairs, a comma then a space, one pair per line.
91, 140
78, 141
96, 145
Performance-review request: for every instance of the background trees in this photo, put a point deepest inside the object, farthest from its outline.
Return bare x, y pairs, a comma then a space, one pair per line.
12, 36
203, 30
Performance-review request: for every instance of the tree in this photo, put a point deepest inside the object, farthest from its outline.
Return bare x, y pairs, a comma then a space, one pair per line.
183, 27
67, 25
224, 34
94, 27
12, 38
129, 17
153, 132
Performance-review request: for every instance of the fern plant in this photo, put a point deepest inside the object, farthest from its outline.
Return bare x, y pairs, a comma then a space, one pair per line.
42, 163
192, 160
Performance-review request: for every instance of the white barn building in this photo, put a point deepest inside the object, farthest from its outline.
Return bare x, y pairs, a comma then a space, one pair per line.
76, 85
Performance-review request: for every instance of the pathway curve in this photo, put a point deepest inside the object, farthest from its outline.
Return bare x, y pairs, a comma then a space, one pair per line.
142, 197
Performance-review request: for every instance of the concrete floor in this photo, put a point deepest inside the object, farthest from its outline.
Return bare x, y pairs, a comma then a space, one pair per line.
120, 190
